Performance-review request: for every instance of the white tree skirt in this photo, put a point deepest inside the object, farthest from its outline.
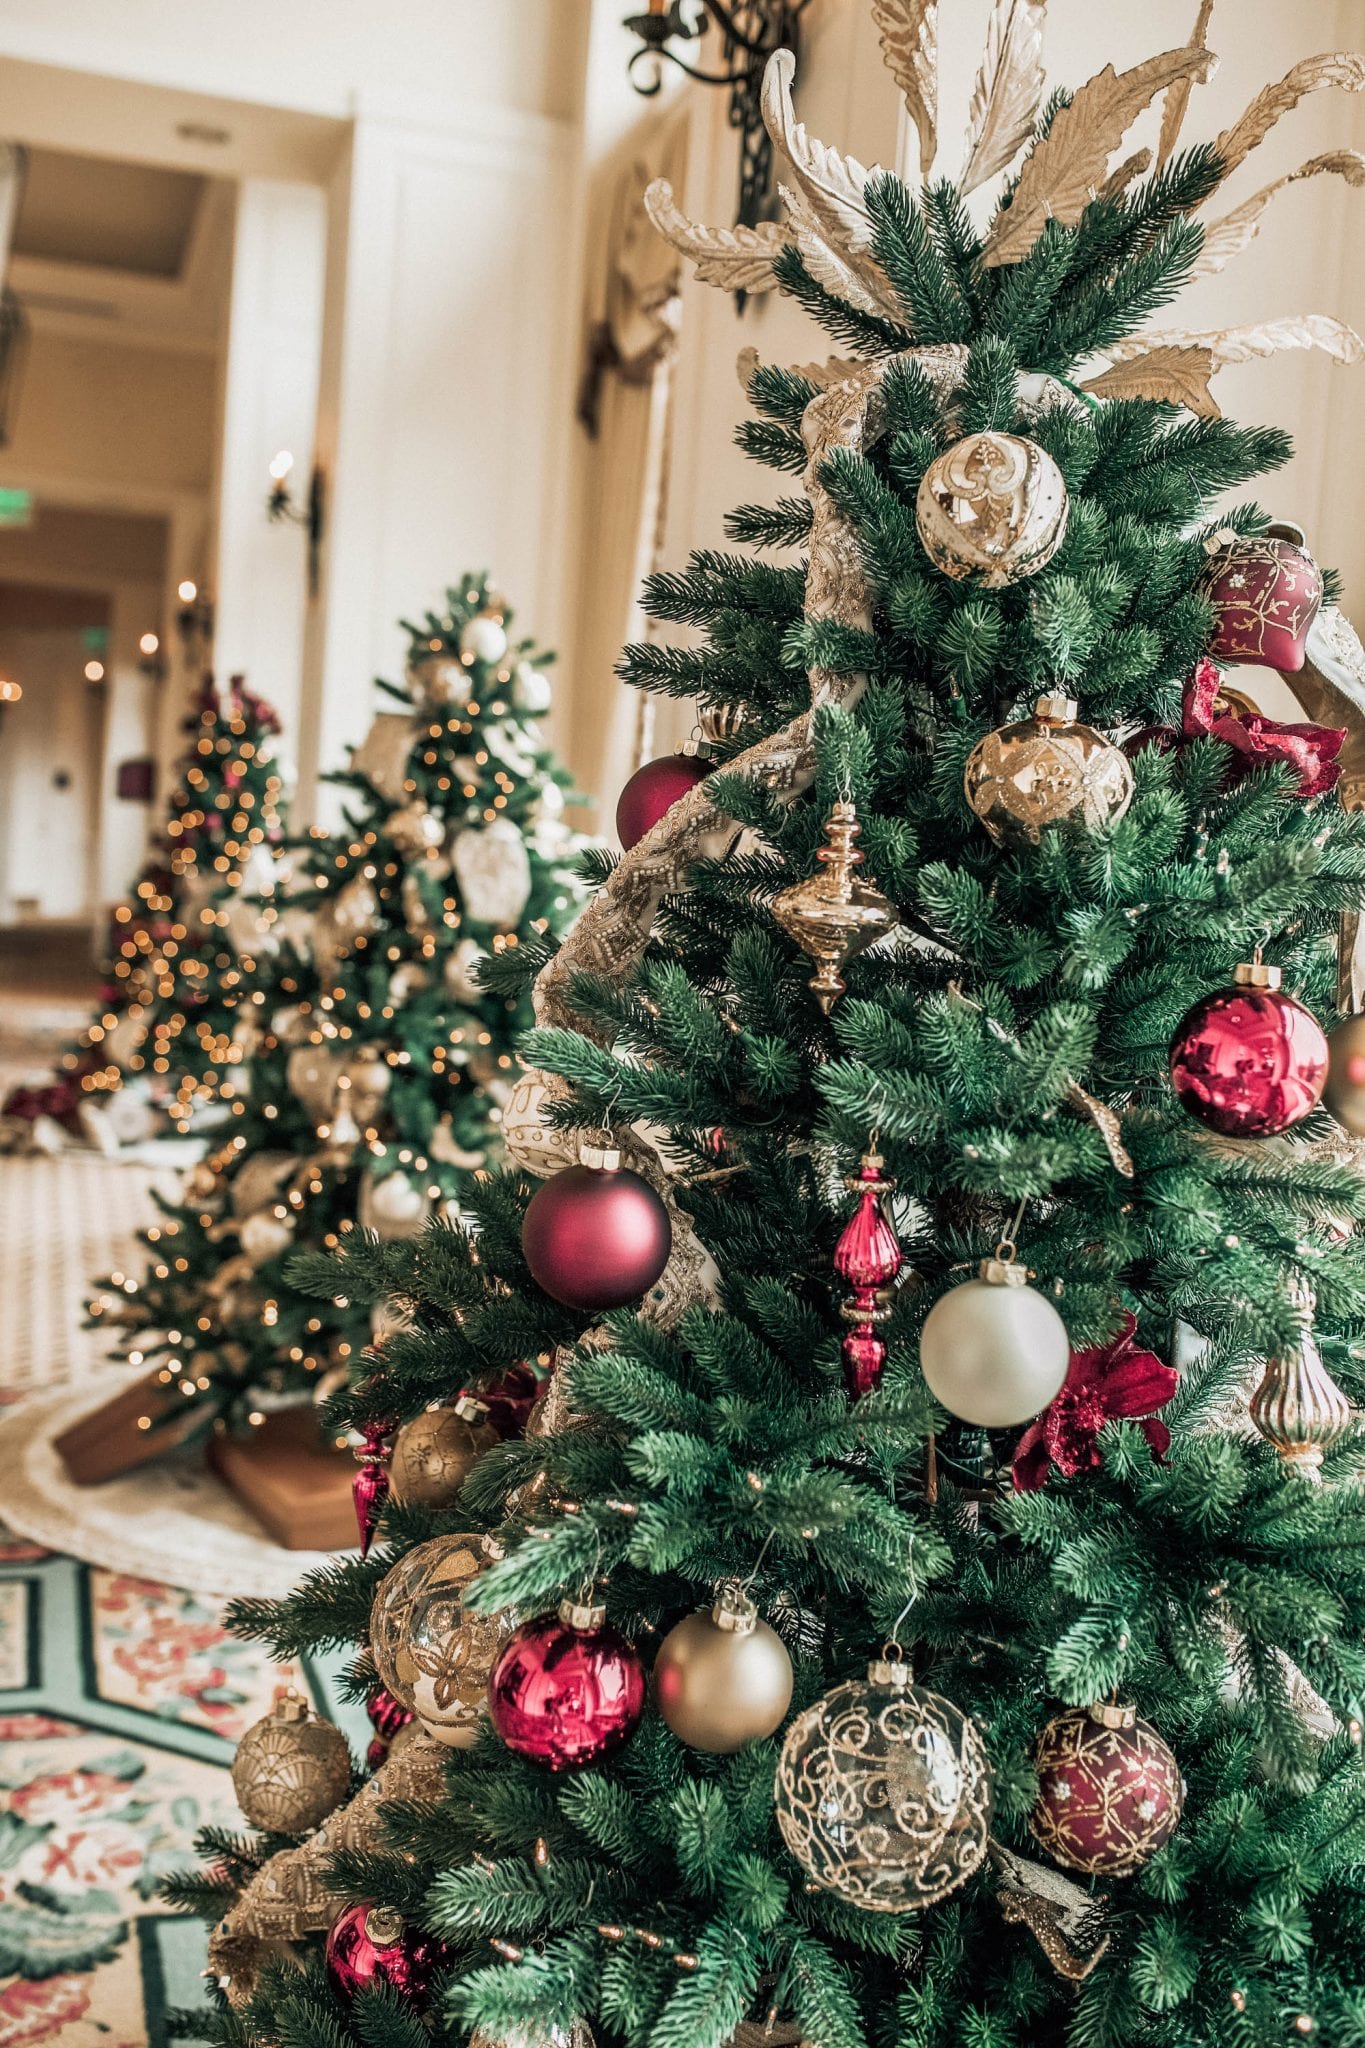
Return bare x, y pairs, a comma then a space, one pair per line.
170, 1520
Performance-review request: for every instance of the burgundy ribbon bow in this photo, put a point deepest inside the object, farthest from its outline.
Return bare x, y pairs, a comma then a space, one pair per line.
1113, 1381
57, 1099
1256, 741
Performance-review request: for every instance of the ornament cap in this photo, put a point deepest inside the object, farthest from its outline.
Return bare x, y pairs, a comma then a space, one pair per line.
998, 1272
470, 1409
734, 1611
1224, 537
384, 1926
290, 1705
1112, 1714
892, 1672
1257, 974
599, 1153
1290, 530
582, 1615
492, 1547
720, 721
1055, 708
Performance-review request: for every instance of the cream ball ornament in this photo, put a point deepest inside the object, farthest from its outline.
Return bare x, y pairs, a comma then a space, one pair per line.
406, 1621
722, 1677
459, 971
530, 688
993, 506
994, 1351
265, 1235
483, 638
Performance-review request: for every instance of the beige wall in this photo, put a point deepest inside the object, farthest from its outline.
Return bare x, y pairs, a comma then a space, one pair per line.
1305, 260
96, 414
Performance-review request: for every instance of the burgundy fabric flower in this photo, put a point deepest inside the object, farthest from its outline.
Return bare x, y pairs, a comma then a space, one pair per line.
1113, 1381
1254, 740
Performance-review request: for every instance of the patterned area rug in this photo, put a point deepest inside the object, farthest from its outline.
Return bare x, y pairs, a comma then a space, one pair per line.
120, 1704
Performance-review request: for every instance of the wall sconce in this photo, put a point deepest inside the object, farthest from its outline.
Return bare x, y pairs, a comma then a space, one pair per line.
312, 517
194, 623
750, 30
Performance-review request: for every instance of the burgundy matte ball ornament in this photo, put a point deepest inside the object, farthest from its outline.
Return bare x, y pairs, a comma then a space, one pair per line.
653, 790
1249, 1061
1266, 590
375, 1945
568, 1689
596, 1235
1109, 1790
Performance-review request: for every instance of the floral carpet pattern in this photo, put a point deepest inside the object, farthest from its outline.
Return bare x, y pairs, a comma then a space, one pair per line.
120, 1704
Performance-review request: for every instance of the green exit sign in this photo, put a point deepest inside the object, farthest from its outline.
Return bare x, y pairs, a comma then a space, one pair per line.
16, 508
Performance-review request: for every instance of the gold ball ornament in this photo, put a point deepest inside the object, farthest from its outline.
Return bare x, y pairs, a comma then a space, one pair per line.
430, 1653
435, 1452
578, 2035
1344, 1089
722, 1677
311, 1073
993, 506
364, 1082
994, 1351
414, 829
1046, 770
291, 1769
436, 677
883, 1793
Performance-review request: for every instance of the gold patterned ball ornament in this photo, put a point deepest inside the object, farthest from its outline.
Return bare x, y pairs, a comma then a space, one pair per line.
1109, 1790
451, 1652
434, 1454
883, 1792
414, 829
993, 506
1046, 770
441, 1563
577, 2035
722, 1677
291, 1769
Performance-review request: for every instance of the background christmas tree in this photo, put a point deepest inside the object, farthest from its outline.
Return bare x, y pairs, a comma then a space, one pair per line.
1135, 1634
184, 942
378, 1060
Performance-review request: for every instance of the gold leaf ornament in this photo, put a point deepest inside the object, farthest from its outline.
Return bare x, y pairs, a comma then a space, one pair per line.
834, 186
1226, 238
1179, 375
1008, 90
908, 30
1313, 74
1243, 344
861, 283
737, 259
1178, 96
1065, 171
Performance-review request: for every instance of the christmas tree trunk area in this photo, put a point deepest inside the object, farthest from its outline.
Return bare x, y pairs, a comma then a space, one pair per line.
925, 1604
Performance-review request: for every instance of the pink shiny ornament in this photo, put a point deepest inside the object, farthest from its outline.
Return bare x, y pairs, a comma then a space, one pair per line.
1266, 590
1250, 1061
567, 1689
653, 790
375, 1945
596, 1237
868, 1257
370, 1487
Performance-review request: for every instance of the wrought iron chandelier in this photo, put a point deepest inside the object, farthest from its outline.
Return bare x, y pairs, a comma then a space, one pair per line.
749, 30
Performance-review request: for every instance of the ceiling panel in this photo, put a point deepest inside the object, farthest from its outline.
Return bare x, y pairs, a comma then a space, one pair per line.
107, 213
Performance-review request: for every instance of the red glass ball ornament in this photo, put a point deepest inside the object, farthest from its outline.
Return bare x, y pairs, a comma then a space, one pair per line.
654, 789
596, 1237
1109, 1790
1266, 590
1249, 1061
375, 1945
567, 1690
387, 1716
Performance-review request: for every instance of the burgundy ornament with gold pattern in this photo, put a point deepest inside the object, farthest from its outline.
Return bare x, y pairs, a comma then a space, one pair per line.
1266, 590
868, 1257
1249, 1061
1109, 1790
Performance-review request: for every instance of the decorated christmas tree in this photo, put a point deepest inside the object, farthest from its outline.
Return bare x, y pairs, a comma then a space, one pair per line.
379, 1061
925, 1606
184, 943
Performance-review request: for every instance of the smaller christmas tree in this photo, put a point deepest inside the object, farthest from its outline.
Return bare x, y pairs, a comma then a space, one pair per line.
380, 1049
184, 943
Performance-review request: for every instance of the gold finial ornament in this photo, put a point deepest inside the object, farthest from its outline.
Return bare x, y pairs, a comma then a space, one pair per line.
1298, 1407
993, 506
833, 915
1044, 771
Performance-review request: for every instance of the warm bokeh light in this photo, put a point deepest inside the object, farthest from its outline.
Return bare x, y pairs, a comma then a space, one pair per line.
281, 465
187, 592
94, 671
149, 643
